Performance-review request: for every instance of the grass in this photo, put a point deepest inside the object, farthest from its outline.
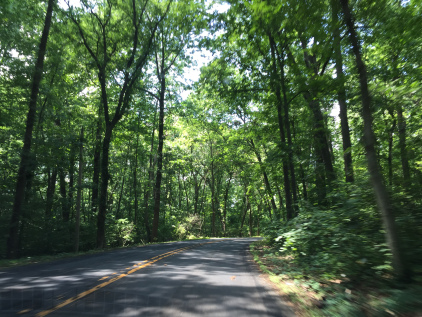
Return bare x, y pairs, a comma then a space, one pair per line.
314, 295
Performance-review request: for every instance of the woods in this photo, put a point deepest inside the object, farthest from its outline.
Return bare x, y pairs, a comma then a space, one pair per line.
304, 127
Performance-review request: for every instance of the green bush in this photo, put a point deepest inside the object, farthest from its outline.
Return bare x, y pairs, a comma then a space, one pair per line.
189, 227
346, 239
121, 232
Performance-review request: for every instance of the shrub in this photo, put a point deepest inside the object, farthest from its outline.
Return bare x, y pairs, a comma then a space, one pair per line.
346, 239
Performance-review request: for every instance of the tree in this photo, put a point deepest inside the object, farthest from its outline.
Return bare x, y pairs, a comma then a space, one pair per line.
173, 35
117, 55
341, 94
79, 191
383, 199
13, 240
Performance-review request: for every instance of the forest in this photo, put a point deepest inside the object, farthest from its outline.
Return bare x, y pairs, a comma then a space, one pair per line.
304, 128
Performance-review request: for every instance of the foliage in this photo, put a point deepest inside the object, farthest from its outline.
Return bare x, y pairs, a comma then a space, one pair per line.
189, 228
121, 233
344, 240
316, 294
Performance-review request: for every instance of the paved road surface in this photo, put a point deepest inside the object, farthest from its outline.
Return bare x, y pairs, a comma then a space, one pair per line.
194, 278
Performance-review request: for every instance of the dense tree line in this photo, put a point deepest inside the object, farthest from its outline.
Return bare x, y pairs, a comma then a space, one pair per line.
99, 149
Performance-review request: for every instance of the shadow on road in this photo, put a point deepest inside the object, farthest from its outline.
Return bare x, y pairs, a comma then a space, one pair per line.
215, 279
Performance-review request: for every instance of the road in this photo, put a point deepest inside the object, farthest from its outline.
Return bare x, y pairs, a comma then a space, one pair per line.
215, 277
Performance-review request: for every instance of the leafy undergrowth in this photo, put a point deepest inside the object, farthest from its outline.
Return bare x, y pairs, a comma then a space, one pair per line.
315, 294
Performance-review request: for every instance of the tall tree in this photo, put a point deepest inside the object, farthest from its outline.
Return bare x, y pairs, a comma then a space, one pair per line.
383, 199
115, 56
173, 35
79, 192
341, 94
13, 239
266, 181
281, 127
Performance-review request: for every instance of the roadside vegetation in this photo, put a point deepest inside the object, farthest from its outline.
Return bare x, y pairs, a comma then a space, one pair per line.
315, 292
335, 262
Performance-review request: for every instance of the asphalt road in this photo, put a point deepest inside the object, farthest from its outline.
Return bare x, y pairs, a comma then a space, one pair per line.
193, 278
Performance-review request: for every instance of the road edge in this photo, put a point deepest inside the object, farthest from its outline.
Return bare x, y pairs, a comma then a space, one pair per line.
262, 279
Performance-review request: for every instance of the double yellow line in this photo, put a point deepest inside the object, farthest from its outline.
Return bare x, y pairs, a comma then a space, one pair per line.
137, 267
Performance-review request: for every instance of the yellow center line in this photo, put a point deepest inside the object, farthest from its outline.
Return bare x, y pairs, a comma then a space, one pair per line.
104, 284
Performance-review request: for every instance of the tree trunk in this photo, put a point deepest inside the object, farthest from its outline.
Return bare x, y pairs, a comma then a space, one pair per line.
186, 195
323, 166
72, 155
341, 96
157, 191
289, 142
266, 181
276, 87
321, 141
105, 176
322, 144
301, 171
96, 169
212, 185
135, 176
79, 191
180, 192
65, 202
150, 181
390, 150
247, 206
203, 198
96, 163
119, 201
304, 187
51, 187
13, 239
250, 222
383, 199
197, 187
226, 198
403, 148
286, 117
